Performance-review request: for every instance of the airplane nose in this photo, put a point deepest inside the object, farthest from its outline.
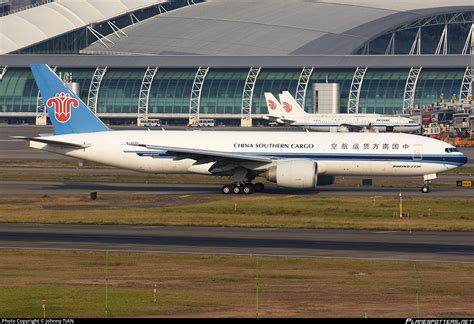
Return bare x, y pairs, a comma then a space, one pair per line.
463, 159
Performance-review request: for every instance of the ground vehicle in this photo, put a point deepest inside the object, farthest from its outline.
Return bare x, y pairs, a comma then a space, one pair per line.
152, 123
203, 123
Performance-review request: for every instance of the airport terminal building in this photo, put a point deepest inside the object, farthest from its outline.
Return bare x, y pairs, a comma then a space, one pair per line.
181, 60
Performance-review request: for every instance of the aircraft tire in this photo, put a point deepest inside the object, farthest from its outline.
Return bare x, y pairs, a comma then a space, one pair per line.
248, 189
227, 189
259, 187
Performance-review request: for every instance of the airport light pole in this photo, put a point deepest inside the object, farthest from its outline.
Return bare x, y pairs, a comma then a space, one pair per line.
106, 282
416, 291
257, 279
401, 205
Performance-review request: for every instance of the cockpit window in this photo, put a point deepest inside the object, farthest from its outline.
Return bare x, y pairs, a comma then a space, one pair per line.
451, 149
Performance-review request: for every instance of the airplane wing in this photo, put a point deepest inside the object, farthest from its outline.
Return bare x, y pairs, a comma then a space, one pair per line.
287, 121
52, 142
206, 156
353, 128
270, 117
279, 119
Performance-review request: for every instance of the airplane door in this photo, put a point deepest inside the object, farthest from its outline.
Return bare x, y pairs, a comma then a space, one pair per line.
417, 152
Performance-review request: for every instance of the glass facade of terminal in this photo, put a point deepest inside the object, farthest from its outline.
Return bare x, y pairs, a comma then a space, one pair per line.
401, 39
222, 91
433, 85
382, 90
18, 92
170, 91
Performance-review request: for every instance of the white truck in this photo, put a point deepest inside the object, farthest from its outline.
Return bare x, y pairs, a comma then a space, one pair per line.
152, 123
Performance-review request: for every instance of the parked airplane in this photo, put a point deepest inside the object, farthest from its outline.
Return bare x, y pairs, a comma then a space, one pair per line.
288, 111
290, 159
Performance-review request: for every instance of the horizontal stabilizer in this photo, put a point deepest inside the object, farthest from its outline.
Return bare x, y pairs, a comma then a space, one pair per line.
52, 142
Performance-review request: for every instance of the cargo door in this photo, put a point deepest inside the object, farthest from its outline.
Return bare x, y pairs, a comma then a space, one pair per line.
417, 152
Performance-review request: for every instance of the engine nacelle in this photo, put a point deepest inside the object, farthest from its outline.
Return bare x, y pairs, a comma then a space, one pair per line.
298, 174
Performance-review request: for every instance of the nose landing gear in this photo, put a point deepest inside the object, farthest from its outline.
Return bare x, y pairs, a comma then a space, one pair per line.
426, 187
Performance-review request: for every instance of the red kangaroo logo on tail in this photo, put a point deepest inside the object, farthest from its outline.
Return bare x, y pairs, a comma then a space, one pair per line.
287, 107
272, 104
62, 103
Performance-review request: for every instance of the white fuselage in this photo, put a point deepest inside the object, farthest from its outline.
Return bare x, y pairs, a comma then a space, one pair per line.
342, 121
336, 154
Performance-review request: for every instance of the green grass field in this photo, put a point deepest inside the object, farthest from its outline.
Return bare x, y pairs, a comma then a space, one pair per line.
448, 214
79, 284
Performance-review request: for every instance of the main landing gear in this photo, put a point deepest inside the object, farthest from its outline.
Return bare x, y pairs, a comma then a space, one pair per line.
244, 188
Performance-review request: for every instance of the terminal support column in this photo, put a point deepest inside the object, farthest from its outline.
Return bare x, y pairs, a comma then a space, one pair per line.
195, 100
94, 88
247, 96
143, 98
302, 86
354, 94
410, 88
465, 94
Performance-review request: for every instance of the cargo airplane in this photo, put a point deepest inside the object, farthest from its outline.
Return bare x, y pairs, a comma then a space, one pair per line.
300, 160
287, 111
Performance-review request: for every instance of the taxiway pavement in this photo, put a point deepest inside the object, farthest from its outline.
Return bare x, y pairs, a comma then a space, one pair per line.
83, 188
339, 244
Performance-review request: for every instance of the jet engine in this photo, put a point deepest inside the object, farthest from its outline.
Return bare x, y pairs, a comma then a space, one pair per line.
298, 174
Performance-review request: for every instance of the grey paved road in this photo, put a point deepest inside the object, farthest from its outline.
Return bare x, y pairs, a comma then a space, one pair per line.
339, 244
81, 188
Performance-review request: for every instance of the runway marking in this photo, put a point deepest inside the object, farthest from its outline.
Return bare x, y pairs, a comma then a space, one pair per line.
290, 256
386, 232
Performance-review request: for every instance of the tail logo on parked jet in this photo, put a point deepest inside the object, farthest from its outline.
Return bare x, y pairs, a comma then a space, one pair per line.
62, 106
272, 104
287, 107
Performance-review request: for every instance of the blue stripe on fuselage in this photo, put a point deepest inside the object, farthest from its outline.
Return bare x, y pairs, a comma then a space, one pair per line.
354, 125
426, 158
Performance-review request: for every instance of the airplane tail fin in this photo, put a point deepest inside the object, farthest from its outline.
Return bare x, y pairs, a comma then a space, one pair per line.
272, 104
290, 105
67, 112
